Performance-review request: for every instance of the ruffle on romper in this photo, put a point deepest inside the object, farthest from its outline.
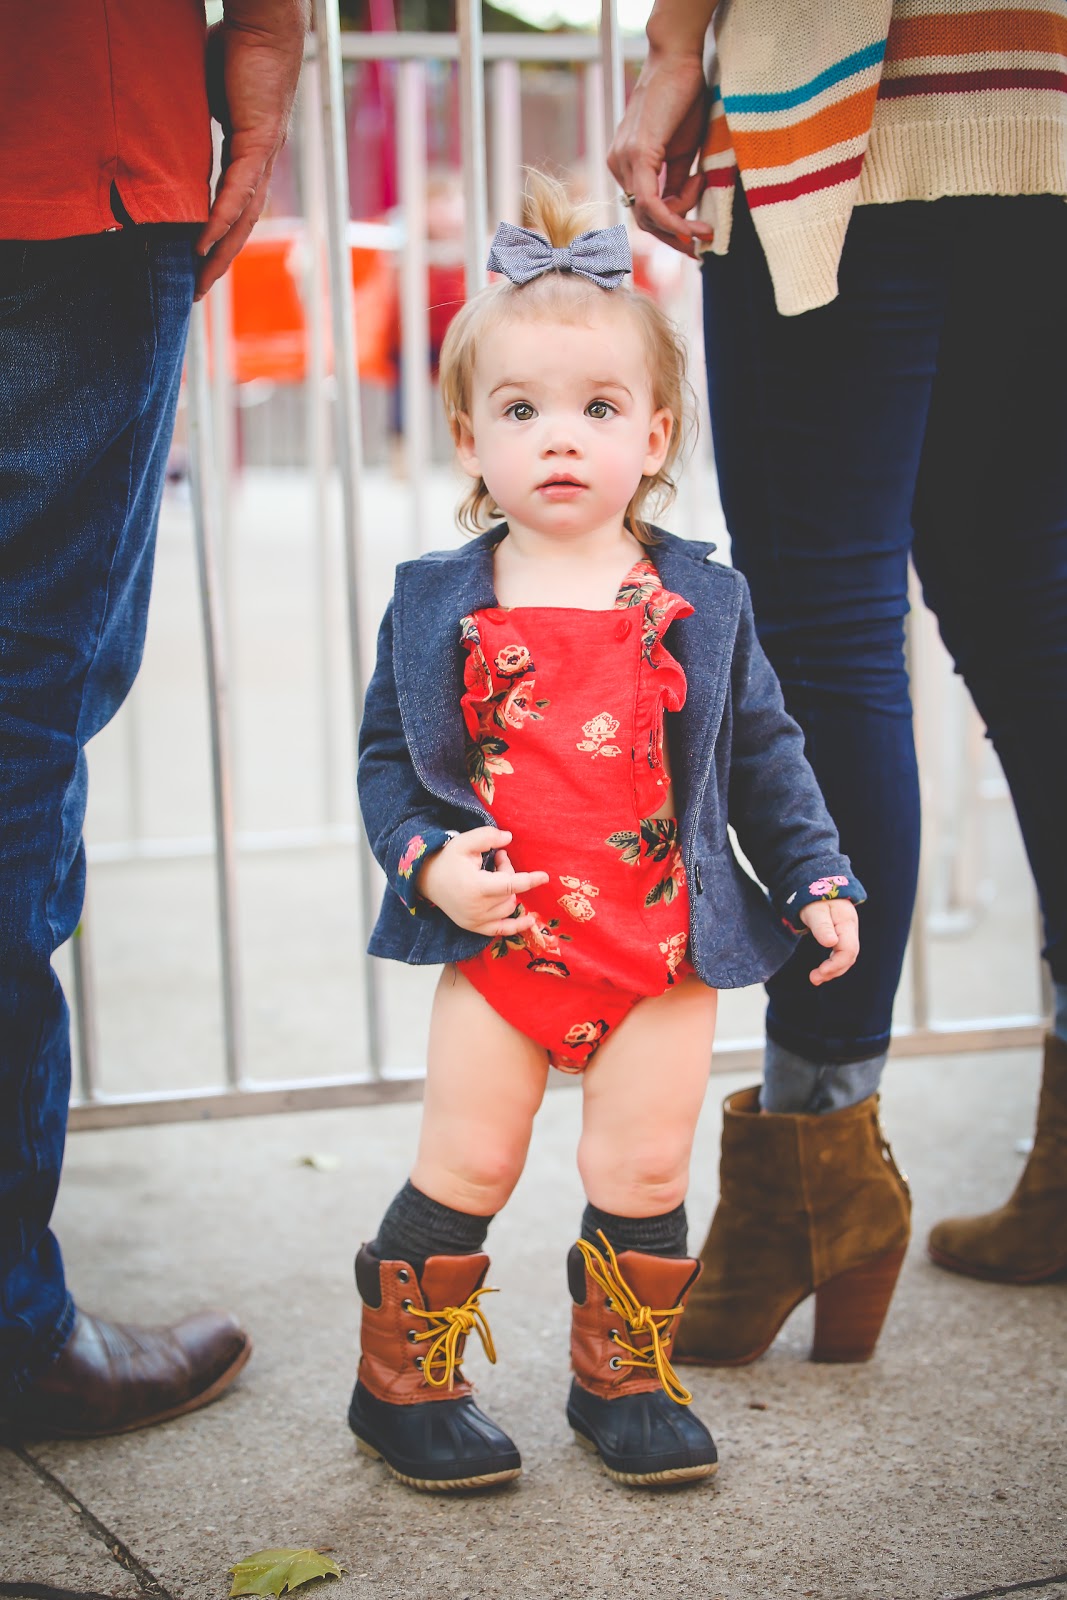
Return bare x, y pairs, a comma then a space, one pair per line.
501, 697
661, 682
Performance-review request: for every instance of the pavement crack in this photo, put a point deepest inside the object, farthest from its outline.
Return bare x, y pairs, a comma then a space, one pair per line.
46, 1591
1013, 1588
118, 1551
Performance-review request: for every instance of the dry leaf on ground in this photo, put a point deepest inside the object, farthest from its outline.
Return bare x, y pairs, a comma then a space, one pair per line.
274, 1571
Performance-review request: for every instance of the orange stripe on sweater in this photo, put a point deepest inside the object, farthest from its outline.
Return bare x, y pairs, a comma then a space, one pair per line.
718, 138
975, 33
777, 147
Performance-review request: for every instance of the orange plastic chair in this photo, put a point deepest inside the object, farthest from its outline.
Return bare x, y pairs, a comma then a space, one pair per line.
269, 329
269, 326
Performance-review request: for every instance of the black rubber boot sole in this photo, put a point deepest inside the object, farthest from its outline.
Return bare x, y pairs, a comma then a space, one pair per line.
647, 1440
436, 1445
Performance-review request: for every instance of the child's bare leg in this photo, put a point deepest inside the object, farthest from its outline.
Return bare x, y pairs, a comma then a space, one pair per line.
421, 1280
484, 1083
643, 1092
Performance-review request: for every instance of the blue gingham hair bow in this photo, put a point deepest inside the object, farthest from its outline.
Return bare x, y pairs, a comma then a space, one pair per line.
601, 254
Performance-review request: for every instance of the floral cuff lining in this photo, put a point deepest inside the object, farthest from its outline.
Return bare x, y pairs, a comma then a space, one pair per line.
833, 887
419, 845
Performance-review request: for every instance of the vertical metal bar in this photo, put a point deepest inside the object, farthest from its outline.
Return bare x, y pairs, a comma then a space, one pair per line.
472, 133
614, 78
506, 95
318, 427
414, 295
132, 751
349, 438
596, 150
223, 433
201, 466
224, 455
85, 1007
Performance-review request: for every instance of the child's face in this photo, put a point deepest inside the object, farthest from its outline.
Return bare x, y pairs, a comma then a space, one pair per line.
562, 425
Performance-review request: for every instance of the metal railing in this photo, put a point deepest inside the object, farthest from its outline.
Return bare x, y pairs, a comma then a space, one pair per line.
334, 431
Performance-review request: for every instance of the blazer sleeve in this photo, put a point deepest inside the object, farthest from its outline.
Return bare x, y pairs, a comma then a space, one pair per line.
775, 804
404, 821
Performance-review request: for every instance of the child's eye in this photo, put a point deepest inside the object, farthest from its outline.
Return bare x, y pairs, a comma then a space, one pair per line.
521, 410
599, 409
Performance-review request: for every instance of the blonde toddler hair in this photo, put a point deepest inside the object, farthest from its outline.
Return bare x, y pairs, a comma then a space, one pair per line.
565, 297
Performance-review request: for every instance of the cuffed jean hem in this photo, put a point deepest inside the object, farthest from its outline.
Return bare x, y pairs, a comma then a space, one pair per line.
1059, 1018
44, 1354
793, 1085
826, 1049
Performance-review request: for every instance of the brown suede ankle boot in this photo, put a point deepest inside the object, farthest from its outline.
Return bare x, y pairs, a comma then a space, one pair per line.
626, 1402
412, 1407
808, 1204
1025, 1241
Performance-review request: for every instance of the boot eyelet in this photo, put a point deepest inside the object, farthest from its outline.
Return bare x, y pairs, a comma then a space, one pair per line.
615, 1363
607, 1303
613, 1333
419, 1360
404, 1275
405, 1305
412, 1336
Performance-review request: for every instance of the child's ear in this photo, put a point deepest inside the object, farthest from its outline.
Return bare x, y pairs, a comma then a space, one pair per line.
660, 433
463, 438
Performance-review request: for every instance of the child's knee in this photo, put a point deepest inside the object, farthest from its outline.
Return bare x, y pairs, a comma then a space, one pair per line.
478, 1180
645, 1179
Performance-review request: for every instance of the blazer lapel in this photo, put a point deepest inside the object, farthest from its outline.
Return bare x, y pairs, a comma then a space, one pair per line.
702, 644
431, 597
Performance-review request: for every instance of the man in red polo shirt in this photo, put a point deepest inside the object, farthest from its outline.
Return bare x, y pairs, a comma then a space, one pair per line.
107, 230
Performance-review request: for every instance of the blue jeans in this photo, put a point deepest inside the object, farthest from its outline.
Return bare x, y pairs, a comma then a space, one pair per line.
922, 413
92, 337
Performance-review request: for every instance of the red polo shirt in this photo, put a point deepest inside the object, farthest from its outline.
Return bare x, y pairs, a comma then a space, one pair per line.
96, 92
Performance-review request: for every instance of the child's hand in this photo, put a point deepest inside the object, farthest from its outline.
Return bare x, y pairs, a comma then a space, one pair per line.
835, 925
482, 902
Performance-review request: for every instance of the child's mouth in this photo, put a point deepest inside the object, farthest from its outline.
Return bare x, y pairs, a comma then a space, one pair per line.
561, 488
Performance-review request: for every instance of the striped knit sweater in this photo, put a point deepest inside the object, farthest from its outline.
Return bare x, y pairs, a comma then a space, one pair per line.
827, 104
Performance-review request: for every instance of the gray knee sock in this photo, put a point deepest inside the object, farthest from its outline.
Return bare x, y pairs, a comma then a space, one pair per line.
664, 1235
415, 1227
792, 1084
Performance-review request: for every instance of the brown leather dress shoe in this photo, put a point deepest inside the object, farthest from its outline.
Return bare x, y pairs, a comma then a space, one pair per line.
111, 1377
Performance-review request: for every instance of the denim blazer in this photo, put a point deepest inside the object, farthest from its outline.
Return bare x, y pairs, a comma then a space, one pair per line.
737, 757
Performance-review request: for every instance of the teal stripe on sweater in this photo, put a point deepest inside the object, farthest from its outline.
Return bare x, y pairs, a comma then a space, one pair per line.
786, 99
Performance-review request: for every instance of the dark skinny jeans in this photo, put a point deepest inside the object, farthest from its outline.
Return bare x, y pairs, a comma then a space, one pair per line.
923, 413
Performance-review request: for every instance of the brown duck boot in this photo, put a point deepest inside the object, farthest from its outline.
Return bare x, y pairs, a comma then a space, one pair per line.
1025, 1241
626, 1402
412, 1407
808, 1204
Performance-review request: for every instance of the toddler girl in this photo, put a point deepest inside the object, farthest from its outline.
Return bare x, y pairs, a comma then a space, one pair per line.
564, 716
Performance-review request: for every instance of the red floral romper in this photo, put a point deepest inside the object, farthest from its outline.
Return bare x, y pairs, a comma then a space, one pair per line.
564, 717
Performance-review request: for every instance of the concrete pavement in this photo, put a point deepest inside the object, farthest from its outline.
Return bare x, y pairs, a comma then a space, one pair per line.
938, 1470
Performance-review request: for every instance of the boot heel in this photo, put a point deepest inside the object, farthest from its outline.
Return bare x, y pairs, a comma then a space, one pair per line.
851, 1308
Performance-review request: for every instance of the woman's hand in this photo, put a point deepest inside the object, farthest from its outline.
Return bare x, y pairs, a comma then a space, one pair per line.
482, 902
836, 926
661, 132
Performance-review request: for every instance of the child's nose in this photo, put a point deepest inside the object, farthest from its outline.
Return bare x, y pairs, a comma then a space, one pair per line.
561, 440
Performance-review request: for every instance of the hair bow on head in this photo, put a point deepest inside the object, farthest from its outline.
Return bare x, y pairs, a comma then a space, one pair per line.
600, 254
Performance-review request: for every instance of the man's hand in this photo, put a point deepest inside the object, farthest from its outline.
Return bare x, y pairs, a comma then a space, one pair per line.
253, 65
482, 902
836, 926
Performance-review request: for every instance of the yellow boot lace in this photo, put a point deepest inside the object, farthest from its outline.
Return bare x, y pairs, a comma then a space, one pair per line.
448, 1328
640, 1319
